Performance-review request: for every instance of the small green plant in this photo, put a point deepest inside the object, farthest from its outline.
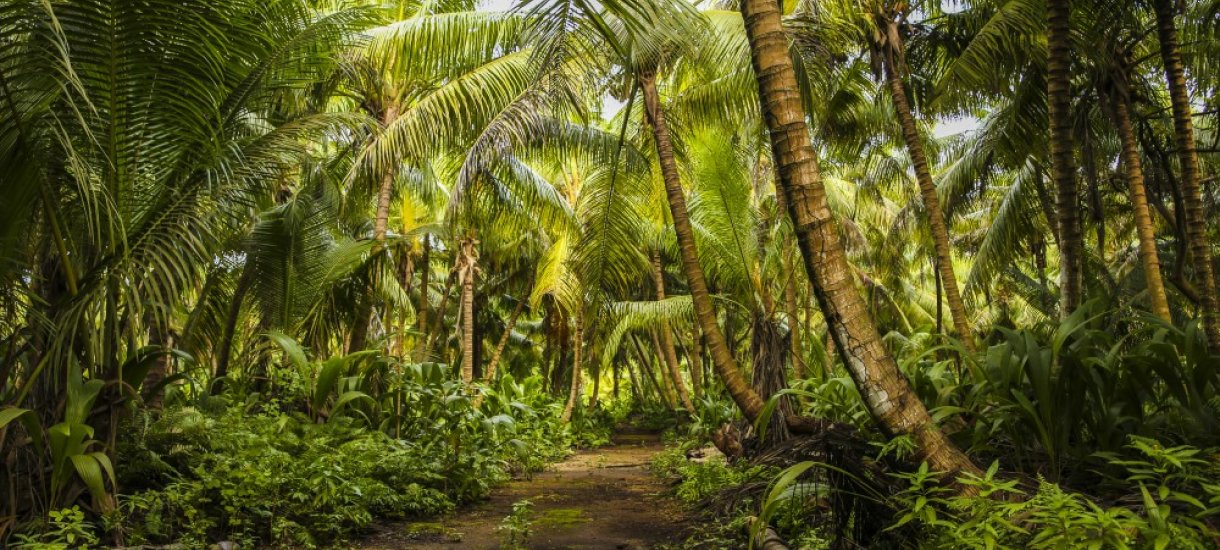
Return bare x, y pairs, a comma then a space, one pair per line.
67, 530
517, 527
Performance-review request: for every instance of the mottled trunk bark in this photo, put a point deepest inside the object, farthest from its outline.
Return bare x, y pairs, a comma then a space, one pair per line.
1192, 193
421, 310
467, 259
885, 390
381, 220
1144, 229
225, 348
574, 389
1063, 160
667, 338
696, 362
927, 191
726, 366
791, 307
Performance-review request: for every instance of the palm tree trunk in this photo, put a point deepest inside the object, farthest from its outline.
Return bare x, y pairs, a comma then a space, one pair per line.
667, 337
381, 220
499, 351
646, 371
927, 191
467, 257
1192, 193
795, 345
1063, 160
438, 326
696, 362
1139, 204
886, 392
574, 389
225, 347
722, 359
421, 311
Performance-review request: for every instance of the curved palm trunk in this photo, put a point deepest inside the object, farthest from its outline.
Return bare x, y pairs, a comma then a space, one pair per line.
696, 362
886, 391
927, 191
578, 337
381, 220
490, 376
1192, 193
667, 338
421, 311
1063, 161
467, 258
225, 348
722, 359
1139, 204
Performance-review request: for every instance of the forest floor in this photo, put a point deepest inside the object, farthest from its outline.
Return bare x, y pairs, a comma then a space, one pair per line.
603, 498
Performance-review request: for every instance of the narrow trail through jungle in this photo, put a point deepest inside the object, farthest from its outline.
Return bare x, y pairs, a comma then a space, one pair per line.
604, 498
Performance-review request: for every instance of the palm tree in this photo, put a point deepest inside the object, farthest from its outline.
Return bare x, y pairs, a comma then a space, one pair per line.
886, 392
1188, 159
1063, 159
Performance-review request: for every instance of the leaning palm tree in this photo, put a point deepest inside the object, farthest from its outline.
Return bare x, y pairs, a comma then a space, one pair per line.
886, 392
880, 27
1191, 181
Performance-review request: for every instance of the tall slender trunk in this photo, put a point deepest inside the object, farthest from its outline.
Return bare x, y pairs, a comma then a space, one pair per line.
438, 326
381, 220
726, 366
508, 331
886, 392
1139, 204
927, 191
1192, 192
225, 347
696, 362
647, 372
667, 337
578, 337
421, 311
467, 259
795, 345
1063, 160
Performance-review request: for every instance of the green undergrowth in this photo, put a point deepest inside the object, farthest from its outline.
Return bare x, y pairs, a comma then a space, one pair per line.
272, 473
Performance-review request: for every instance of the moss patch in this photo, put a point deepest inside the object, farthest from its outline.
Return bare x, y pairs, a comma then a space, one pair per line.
562, 517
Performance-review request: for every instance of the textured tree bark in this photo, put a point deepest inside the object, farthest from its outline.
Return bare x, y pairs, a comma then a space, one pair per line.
927, 191
574, 389
225, 350
1063, 160
1192, 193
722, 359
467, 261
795, 345
380, 221
499, 351
885, 390
438, 326
1144, 229
696, 362
421, 311
667, 338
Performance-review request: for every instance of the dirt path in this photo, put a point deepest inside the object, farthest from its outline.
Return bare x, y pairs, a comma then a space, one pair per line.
599, 499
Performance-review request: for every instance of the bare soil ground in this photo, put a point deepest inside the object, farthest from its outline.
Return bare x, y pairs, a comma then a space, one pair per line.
603, 498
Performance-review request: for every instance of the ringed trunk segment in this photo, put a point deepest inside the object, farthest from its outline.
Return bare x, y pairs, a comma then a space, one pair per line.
1188, 157
886, 392
931, 201
1063, 160
722, 359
